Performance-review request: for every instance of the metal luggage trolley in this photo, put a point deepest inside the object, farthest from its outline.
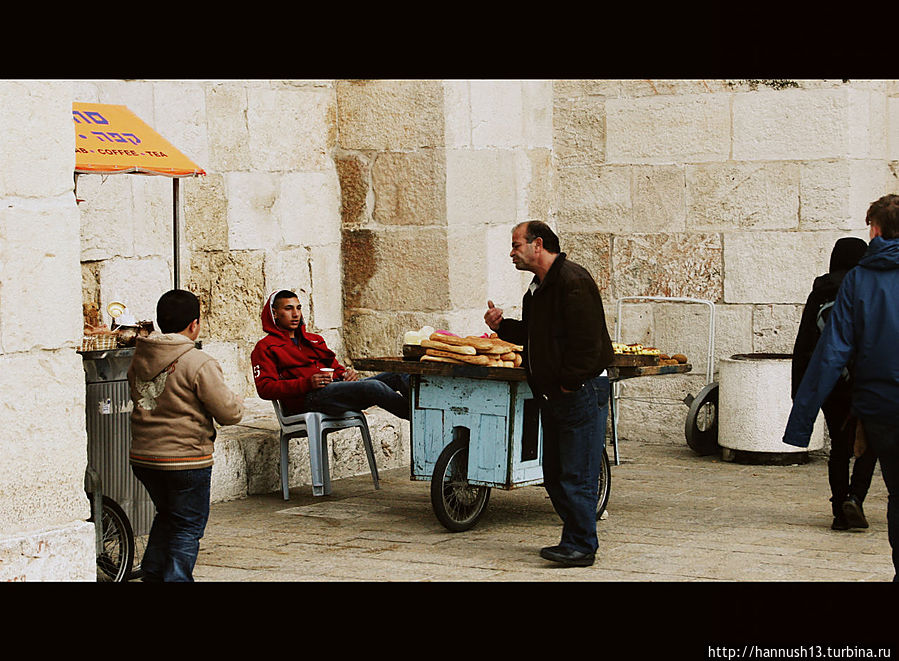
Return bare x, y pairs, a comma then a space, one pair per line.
701, 424
473, 428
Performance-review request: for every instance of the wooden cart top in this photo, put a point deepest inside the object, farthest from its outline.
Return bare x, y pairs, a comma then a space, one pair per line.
396, 364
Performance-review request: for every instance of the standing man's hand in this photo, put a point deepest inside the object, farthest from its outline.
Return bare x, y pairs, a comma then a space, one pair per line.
350, 375
493, 316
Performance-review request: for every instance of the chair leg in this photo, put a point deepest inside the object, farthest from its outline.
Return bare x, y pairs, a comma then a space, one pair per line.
370, 452
284, 486
316, 459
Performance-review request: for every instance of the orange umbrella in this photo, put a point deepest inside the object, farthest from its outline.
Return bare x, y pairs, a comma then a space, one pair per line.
111, 139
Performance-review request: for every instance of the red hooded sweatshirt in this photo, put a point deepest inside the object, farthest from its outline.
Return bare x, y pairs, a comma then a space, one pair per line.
283, 370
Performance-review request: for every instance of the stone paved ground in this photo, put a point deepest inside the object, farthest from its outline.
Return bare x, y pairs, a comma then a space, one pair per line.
673, 517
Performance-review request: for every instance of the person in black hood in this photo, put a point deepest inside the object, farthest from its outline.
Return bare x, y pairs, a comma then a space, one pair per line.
847, 492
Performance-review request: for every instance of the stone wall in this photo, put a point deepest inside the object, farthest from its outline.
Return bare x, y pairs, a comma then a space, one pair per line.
728, 191
44, 535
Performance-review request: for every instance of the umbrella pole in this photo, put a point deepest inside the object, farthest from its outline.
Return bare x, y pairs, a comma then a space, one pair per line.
175, 207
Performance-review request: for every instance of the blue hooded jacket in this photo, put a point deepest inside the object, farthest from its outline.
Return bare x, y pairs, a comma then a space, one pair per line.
864, 326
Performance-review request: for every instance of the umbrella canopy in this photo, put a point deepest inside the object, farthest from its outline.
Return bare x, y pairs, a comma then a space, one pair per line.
111, 139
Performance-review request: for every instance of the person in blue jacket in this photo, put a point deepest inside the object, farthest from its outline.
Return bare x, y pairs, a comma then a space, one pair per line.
863, 329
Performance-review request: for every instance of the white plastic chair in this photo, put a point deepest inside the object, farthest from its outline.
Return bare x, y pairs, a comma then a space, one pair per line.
316, 426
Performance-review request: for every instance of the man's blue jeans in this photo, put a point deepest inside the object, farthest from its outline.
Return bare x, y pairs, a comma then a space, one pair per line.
884, 439
181, 498
379, 390
574, 433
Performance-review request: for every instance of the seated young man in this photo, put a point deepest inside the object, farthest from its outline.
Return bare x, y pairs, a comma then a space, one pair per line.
288, 366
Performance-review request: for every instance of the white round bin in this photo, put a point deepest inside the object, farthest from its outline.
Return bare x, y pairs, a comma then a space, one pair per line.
753, 408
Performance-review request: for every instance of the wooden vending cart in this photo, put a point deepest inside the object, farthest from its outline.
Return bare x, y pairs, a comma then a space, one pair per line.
475, 428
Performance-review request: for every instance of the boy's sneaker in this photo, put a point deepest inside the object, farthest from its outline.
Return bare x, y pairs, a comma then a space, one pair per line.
855, 515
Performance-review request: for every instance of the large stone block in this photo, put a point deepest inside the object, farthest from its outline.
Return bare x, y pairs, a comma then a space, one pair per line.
229, 134
774, 125
774, 327
353, 171
389, 115
289, 269
396, 269
457, 113
106, 208
180, 117
481, 187
40, 276
38, 155
579, 131
230, 288
468, 284
893, 128
371, 333
758, 196
775, 267
510, 113
252, 199
291, 129
45, 455
138, 283
326, 279
594, 198
835, 194
593, 251
659, 200
204, 212
651, 410
308, 208
668, 129
153, 215
868, 117
409, 187
683, 265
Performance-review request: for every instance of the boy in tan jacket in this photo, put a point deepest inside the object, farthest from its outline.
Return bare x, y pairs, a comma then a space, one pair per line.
177, 391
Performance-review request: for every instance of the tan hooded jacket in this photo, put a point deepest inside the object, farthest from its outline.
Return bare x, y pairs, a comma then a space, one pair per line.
177, 391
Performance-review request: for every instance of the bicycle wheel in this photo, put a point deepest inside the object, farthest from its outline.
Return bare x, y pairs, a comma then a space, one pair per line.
116, 556
457, 504
605, 485
140, 545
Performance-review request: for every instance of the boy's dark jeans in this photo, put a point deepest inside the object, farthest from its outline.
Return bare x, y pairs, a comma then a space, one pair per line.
181, 498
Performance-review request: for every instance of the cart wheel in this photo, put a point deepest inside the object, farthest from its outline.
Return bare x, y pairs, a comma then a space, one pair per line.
457, 504
117, 555
701, 427
605, 485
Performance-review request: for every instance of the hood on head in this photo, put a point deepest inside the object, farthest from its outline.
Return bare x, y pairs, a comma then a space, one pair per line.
882, 254
846, 253
269, 325
156, 352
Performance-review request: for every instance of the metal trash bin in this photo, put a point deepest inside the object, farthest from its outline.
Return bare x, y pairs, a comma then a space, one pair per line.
108, 413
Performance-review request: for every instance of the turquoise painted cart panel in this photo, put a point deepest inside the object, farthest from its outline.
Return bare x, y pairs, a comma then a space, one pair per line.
501, 419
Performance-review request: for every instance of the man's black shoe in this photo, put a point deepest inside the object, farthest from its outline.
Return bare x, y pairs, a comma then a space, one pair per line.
855, 516
567, 558
839, 523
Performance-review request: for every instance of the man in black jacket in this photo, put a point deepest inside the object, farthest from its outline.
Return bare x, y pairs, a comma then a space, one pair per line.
567, 349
